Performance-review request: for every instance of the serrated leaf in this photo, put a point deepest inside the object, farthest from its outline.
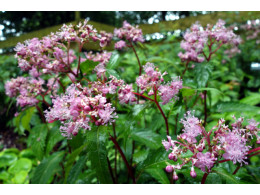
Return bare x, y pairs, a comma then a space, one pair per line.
96, 139
228, 177
38, 137
148, 138
48, 167
71, 159
76, 169
54, 136
114, 60
155, 159
88, 66
159, 175
26, 118
113, 73
202, 74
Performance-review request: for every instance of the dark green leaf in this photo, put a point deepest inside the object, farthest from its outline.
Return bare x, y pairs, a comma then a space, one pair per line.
228, 177
48, 167
37, 138
88, 66
202, 73
96, 139
159, 175
54, 136
76, 169
148, 138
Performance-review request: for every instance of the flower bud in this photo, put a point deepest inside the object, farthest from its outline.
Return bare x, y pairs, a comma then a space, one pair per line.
171, 156
193, 173
175, 176
169, 168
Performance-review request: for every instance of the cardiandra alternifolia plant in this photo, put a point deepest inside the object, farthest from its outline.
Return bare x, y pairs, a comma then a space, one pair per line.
84, 103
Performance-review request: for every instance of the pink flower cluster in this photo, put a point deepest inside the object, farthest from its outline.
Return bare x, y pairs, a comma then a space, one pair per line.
230, 144
76, 109
128, 33
25, 90
152, 80
51, 54
197, 38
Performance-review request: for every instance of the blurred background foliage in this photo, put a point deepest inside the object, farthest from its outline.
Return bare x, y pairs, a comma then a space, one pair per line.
35, 147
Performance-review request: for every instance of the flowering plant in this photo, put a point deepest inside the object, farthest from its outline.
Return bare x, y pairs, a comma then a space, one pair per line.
113, 106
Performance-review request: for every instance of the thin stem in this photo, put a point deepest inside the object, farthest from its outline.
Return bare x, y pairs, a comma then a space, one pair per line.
143, 96
158, 105
204, 178
130, 172
110, 171
186, 68
253, 154
253, 150
238, 167
139, 63
41, 113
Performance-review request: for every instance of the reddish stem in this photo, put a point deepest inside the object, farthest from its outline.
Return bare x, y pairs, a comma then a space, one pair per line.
204, 178
143, 96
253, 150
236, 170
124, 158
186, 68
158, 105
253, 154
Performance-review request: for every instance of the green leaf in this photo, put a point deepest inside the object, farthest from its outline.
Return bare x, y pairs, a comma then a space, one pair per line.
113, 73
71, 159
236, 107
187, 92
202, 73
76, 169
54, 136
252, 100
38, 137
210, 89
20, 177
97, 153
159, 175
23, 164
88, 66
6, 159
48, 167
4, 175
228, 177
156, 159
148, 138
114, 60
26, 118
